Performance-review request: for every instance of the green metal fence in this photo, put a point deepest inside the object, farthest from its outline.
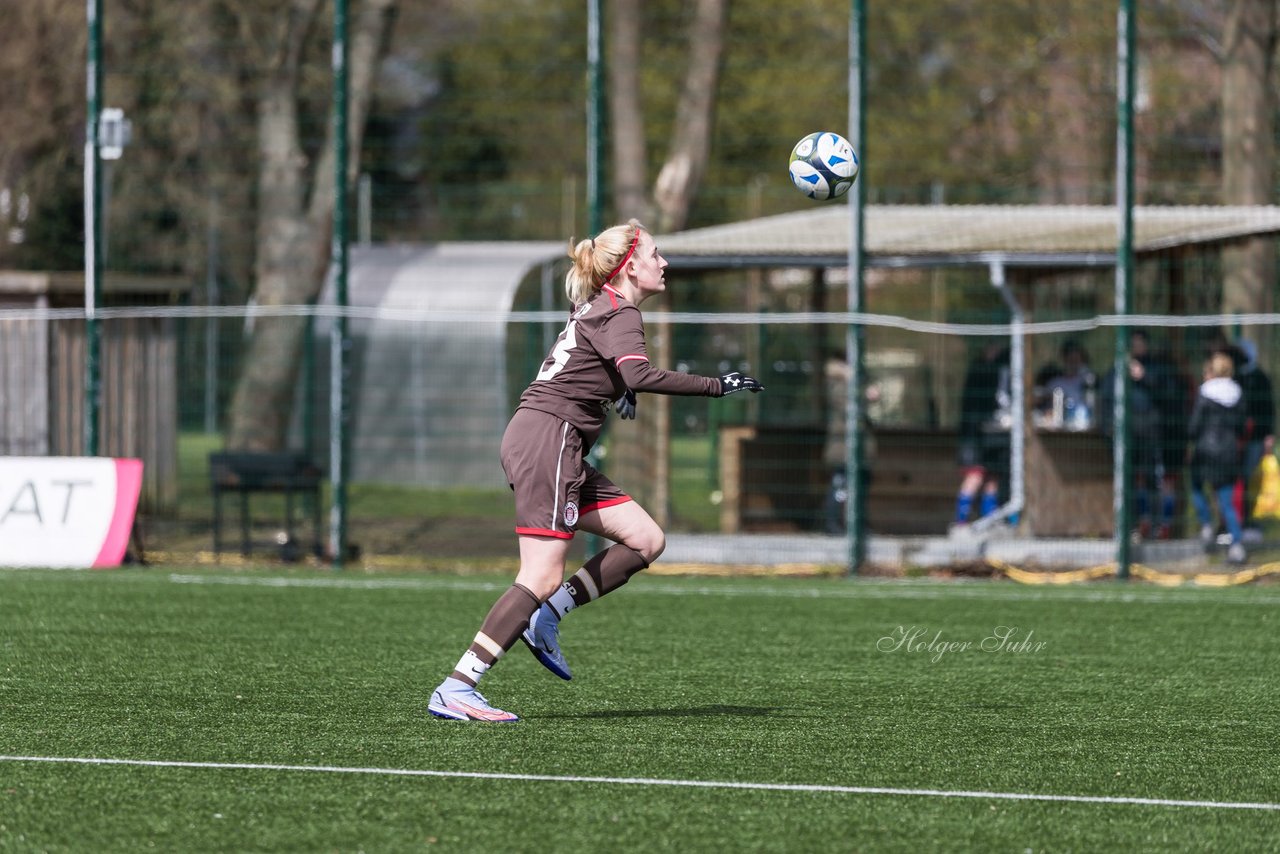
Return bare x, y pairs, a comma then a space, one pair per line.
477, 130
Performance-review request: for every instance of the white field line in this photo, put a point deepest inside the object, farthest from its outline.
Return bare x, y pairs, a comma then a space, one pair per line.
342, 583
649, 781
792, 590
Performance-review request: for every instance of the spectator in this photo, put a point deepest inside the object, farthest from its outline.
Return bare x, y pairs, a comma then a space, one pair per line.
984, 433
1216, 430
1065, 393
1259, 427
1175, 390
1152, 390
836, 375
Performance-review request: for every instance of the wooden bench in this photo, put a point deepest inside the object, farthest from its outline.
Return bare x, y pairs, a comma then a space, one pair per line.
284, 473
914, 478
772, 479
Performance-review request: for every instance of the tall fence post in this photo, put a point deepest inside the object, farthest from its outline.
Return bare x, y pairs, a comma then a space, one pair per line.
855, 506
340, 346
1126, 43
595, 159
93, 243
595, 118
211, 299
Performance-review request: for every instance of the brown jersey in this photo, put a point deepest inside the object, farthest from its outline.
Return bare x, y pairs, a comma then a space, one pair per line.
599, 355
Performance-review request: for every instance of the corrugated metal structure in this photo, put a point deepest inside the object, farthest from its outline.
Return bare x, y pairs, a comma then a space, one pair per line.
429, 399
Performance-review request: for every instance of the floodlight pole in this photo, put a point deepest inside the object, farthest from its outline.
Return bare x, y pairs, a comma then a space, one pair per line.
855, 452
339, 344
1126, 48
93, 242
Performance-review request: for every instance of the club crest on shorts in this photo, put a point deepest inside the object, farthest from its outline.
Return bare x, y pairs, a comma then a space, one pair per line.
571, 513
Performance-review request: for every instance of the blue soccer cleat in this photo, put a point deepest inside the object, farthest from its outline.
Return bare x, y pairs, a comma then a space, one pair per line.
543, 639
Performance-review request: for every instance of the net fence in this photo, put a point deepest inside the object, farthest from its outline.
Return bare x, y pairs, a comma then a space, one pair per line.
739, 480
991, 321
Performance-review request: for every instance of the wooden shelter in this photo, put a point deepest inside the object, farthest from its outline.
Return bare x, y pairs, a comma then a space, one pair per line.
1067, 476
42, 372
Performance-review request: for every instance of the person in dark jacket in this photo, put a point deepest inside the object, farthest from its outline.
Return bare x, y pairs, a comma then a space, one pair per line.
1216, 430
1154, 409
1260, 428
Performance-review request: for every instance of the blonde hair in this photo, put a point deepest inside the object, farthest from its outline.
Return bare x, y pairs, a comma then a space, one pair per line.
596, 261
1221, 365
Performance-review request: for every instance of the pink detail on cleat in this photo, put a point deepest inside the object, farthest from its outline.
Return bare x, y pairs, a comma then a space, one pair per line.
468, 706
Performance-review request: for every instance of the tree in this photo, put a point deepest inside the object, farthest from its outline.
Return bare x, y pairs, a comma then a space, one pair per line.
626, 113
674, 192
42, 106
681, 176
295, 209
1248, 146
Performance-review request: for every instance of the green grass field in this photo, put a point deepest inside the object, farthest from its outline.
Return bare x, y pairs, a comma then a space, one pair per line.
798, 691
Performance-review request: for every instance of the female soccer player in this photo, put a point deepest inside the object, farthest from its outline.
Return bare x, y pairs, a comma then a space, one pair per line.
599, 358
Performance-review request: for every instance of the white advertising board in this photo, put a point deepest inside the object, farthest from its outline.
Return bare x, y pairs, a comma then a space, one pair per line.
67, 511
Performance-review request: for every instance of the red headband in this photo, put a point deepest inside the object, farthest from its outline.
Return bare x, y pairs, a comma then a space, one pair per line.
623, 262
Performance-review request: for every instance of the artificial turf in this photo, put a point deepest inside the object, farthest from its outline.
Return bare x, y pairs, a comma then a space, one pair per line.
1111, 690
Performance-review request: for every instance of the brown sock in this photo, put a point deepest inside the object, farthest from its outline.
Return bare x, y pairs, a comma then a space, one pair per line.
603, 573
508, 617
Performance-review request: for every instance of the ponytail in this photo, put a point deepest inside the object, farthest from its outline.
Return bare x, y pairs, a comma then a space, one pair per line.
599, 260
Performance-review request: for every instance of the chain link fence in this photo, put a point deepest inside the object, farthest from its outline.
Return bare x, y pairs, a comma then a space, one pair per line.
991, 336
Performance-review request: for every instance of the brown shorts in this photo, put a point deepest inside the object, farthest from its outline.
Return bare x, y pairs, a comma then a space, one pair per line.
554, 485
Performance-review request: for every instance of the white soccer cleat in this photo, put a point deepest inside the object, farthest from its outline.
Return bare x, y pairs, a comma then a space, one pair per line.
466, 706
543, 639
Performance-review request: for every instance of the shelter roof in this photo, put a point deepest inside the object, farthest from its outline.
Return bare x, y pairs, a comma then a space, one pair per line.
910, 235
71, 282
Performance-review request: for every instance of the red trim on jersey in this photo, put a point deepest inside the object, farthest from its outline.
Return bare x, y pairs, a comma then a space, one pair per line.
630, 358
614, 295
608, 502
543, 532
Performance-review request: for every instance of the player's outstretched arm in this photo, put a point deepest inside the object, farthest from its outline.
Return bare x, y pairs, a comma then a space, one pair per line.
639, 375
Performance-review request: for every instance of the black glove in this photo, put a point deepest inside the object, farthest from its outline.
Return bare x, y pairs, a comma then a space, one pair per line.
734, 381
626, 405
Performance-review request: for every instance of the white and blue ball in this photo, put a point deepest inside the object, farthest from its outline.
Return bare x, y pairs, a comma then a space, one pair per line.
823, 165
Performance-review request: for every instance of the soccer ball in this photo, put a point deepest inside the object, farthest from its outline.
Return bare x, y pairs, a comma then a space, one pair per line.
823, 165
